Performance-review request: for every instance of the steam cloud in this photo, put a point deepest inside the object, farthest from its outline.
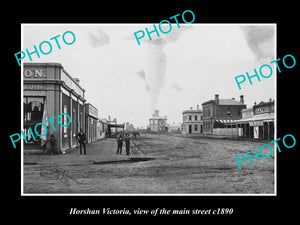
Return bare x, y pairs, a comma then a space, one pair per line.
154, 74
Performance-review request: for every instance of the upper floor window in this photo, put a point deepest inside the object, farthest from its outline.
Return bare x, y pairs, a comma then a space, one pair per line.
228, 112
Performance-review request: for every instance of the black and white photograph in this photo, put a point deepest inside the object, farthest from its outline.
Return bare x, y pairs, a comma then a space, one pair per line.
144, 109
149, 112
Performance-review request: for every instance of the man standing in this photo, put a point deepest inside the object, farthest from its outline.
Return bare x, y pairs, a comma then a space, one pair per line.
127, 144
81, 139
52, 144
120, 144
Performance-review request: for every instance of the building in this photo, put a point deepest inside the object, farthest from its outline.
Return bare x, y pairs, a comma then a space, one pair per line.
113, 128
257, 122
91, 118
192, 121
220, 114
48, 91
129, 127
174, 127
158, 123
102, 128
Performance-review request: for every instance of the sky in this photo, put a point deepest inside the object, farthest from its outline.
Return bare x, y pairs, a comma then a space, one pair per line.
171, 73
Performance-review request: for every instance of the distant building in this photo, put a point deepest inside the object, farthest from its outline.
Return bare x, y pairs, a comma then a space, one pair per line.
219, 113
157, 123
192, 121
129, 127
101, 128
174, 127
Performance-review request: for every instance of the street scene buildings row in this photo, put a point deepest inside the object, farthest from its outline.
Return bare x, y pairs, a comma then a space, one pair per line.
48, 90
231, 118
223, 117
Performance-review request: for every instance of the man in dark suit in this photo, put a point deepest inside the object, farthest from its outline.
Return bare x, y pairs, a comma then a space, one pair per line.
120, 144
81, 139
127, 144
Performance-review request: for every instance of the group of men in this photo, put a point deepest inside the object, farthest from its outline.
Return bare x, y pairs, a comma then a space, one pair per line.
120, 143
81, 140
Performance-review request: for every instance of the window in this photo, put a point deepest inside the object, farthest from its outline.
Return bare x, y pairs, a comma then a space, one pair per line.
196, 127
228, 111
196, 117
33, 114
190, 117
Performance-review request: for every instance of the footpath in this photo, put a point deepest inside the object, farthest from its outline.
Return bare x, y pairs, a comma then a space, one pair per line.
99, 152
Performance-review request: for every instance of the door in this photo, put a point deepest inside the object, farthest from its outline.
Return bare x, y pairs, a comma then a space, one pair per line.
190, 129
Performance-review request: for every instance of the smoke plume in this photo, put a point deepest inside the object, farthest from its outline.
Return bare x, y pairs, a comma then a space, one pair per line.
154, 74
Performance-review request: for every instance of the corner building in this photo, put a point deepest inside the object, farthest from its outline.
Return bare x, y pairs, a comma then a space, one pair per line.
48, 91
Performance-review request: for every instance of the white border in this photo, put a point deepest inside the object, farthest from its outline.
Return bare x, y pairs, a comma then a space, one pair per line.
149, 194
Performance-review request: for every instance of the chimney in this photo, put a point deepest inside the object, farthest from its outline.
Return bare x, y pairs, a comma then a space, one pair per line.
217, 99
197, 107
242, 99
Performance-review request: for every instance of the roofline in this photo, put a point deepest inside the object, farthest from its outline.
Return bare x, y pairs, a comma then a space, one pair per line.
53, 64
209, 101
192, 111
213, 101
43, 64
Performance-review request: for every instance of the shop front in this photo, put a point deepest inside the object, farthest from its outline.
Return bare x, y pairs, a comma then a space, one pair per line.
48, 91
260, 125
91, 120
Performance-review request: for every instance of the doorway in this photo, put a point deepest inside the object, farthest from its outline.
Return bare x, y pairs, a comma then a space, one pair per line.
190, 129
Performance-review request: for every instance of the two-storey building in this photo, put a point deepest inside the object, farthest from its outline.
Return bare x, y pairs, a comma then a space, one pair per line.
219, 113
158, 123
192, 121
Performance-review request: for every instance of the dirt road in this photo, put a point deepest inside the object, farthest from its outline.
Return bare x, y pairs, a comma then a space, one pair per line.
181, 165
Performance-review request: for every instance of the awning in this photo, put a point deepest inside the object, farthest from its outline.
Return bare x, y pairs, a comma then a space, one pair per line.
268, 117
116, 125
226, 121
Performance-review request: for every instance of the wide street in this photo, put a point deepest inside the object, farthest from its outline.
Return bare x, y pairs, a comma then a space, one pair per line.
181, 165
